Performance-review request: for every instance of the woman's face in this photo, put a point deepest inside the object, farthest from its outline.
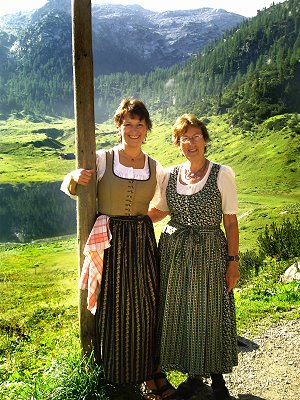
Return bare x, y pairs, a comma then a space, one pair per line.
192, 143
133, 131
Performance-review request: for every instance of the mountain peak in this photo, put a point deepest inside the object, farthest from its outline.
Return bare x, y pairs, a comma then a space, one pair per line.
125, 38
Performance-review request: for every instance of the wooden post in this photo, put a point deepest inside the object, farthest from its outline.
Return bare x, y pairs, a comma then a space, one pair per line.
85, 144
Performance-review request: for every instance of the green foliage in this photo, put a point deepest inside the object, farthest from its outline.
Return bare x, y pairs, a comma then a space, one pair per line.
69, 377
266, 285
266, 297
72, 378
275, 243
281, 242
249, 266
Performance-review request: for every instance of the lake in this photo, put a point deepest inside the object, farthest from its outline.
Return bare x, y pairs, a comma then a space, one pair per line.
33, 211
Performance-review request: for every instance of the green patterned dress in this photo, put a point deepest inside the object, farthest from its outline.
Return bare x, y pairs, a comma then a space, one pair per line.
197, 315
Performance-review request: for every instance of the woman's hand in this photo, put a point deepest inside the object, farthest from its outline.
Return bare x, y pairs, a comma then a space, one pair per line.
82, 176
232, 275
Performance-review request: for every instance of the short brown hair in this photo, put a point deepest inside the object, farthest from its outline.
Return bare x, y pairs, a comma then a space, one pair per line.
133, 107
181, 125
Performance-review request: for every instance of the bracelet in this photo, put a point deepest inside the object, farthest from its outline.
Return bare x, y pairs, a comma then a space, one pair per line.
233, 258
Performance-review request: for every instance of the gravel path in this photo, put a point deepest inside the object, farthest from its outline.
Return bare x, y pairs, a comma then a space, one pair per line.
270, 368
269, 365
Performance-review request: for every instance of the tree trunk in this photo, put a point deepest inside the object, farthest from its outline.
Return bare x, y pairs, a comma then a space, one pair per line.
85, 149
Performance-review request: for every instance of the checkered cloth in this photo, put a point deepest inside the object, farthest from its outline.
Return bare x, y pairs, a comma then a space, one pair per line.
91, 274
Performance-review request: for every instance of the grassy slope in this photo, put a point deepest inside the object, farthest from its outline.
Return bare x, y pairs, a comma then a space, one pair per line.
265, 161
38, 310
30, 148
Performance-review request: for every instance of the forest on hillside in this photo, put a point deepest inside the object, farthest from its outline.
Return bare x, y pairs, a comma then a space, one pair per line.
252, 72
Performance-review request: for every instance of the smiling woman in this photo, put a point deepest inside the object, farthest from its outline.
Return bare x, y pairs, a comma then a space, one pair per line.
127, 285
198, 264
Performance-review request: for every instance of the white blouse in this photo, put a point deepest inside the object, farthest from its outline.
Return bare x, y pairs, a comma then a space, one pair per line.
124, 172
225, 181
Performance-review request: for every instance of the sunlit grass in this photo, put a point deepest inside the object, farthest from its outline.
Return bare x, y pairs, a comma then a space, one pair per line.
265, 161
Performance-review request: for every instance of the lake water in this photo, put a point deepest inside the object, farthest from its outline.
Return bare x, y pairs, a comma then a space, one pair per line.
34, 211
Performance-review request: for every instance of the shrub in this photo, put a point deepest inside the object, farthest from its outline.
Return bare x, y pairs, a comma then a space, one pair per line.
250, 264
281, 242
74, 377
266, 285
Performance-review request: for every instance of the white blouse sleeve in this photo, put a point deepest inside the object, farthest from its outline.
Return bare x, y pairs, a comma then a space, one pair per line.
160, 179
100, 163
227, 187
162, 203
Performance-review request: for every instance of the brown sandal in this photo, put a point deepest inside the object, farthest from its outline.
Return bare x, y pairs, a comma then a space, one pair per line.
164, 389
149, 394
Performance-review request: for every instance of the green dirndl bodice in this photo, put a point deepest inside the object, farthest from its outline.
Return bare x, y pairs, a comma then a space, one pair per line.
197, 315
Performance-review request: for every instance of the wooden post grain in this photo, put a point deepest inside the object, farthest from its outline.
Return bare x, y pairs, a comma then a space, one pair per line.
85, 145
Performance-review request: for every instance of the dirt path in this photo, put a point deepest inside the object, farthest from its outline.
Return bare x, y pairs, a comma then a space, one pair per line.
269, 369
269, 366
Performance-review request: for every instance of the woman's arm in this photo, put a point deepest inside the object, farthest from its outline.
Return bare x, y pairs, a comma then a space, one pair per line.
232, 235
82, 176
74, 178
157, 215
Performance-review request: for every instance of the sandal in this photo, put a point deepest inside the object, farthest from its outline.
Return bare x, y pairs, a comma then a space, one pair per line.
164, 389
148, 393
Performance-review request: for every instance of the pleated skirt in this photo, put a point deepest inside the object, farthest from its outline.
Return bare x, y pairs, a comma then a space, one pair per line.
197, 324
128, 301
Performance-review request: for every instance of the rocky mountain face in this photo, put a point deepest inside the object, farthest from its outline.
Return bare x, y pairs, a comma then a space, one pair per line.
125, 38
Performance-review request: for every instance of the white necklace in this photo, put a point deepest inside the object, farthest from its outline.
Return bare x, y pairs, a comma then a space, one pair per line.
195, 175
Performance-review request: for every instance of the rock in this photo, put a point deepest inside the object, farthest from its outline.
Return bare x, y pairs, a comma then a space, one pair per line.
291, 274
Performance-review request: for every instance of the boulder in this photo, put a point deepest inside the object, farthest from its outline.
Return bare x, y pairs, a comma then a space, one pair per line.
291, 274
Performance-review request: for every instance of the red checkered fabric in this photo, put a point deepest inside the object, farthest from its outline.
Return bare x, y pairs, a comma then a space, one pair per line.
91, 274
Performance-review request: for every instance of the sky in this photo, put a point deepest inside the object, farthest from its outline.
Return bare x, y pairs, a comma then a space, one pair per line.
247, 8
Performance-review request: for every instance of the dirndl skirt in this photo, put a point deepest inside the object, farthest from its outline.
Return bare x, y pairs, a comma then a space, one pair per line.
197, 323
127, 303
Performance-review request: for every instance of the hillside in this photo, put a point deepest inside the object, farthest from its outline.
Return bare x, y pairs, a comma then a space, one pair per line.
41, 143
245, 86
36, 48
251, 72
266, 163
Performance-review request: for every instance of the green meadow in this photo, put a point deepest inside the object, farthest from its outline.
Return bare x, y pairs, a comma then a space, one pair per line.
265, 160
39, 338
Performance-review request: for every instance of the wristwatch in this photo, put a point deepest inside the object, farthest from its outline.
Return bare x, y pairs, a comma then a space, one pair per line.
233, 258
